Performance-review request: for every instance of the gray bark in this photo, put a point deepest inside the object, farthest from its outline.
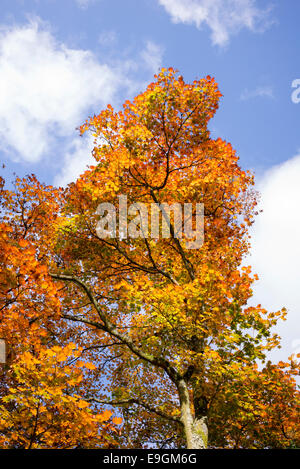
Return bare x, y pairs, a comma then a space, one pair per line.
195, 428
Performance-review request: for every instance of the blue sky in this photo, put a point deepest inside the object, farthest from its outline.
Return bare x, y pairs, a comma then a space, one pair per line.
63, 60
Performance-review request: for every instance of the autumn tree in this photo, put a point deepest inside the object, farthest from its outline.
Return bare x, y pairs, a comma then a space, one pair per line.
163, 316
43, 382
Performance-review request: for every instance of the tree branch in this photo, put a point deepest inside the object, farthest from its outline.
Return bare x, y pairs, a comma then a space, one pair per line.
138, 402
109, 327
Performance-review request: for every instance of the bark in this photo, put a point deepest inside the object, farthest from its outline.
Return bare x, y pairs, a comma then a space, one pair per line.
195, 428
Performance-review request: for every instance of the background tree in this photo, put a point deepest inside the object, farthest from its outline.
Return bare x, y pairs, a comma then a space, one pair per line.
43, 381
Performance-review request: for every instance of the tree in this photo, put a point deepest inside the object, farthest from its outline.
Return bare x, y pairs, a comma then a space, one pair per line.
164, 319
43, 381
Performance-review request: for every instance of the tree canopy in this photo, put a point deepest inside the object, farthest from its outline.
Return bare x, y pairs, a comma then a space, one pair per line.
129, 340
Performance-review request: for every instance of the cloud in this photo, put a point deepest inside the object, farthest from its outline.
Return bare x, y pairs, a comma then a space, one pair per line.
49, 89
152, 56
259, 92
275, 253
78, 156
46, 88
223, 17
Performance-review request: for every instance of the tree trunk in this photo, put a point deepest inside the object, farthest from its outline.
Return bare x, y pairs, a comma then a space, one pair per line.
195, 428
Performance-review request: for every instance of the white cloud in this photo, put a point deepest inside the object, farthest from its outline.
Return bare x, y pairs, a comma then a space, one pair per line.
259, 92
48, 89
223, 17
276, 250
152, 56
45, 88
78, 157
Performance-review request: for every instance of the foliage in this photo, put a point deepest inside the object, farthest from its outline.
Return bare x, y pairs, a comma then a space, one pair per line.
170, 338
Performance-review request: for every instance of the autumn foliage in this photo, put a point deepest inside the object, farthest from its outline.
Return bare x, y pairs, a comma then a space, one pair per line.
129, 342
